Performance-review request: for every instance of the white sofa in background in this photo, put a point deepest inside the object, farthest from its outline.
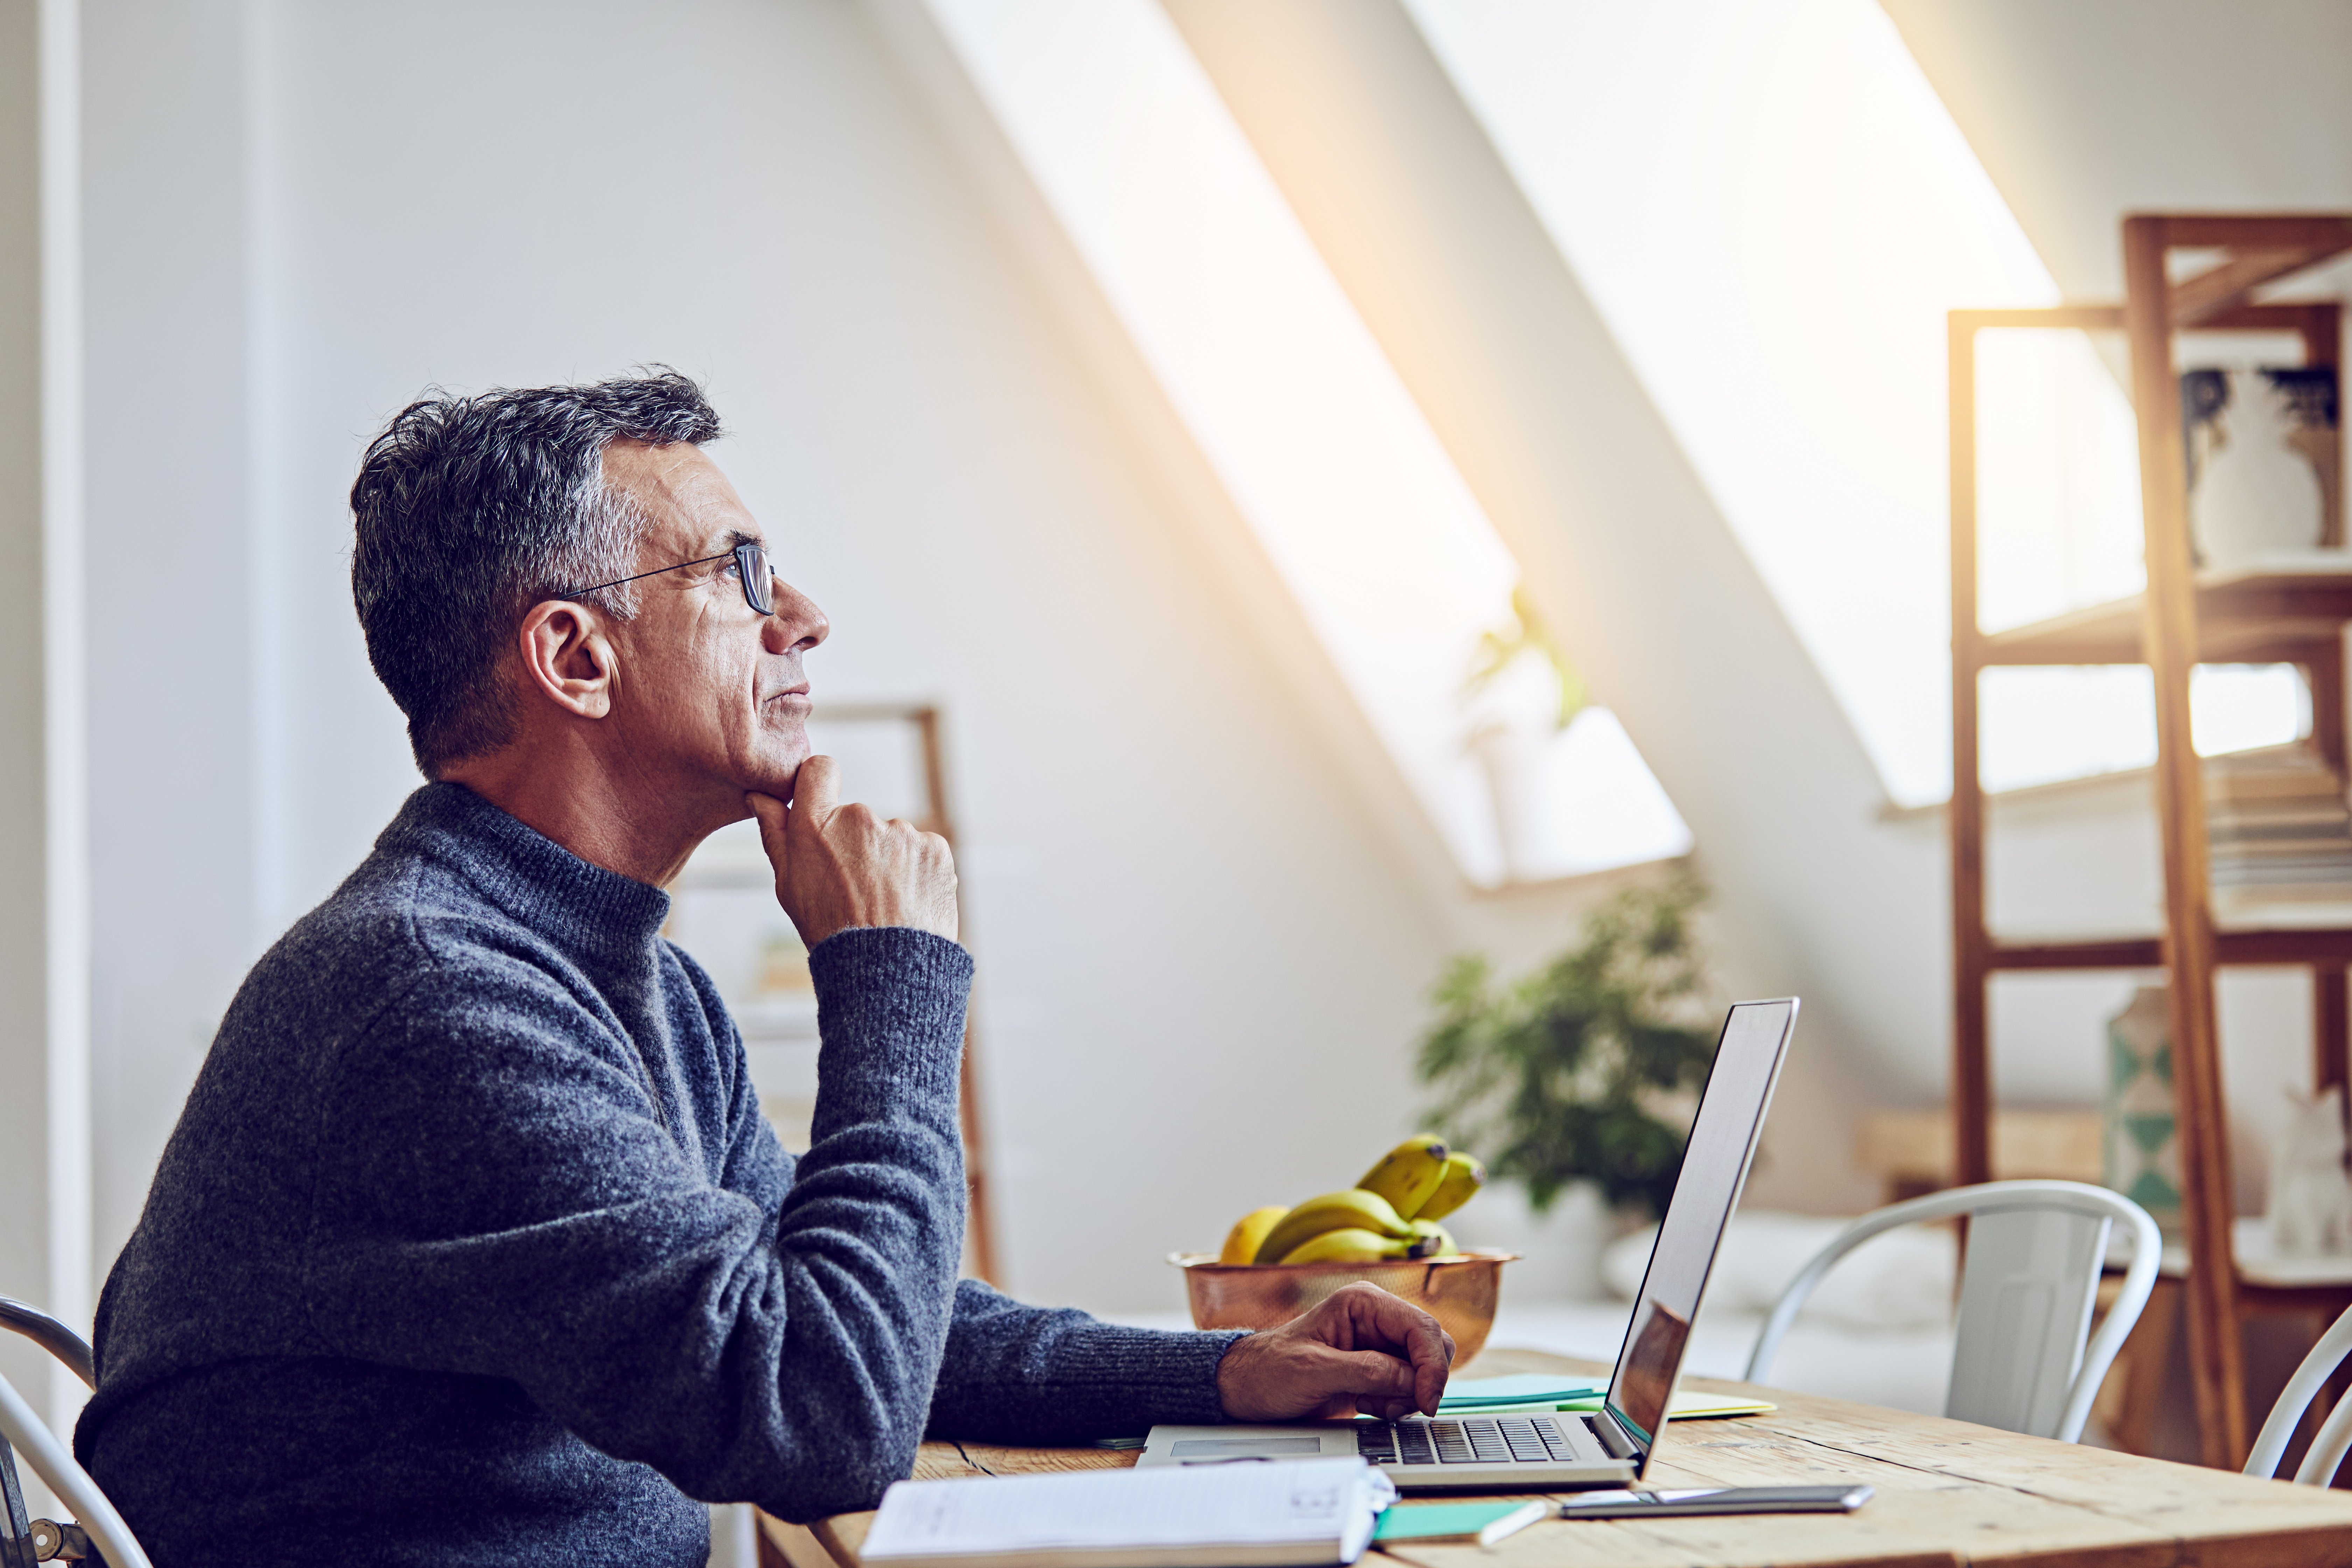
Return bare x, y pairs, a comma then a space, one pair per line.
1878, 1329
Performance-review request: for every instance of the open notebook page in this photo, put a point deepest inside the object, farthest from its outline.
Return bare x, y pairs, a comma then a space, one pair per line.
1321, 1510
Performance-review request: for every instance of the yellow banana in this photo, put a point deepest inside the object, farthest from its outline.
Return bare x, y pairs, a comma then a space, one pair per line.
1352, 1209
1431, 1240
1249, 1234
1408, 1173
1463, 1178
1348, 1244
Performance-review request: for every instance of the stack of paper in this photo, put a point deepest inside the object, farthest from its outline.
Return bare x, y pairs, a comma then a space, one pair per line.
2280, 829
1307, 1511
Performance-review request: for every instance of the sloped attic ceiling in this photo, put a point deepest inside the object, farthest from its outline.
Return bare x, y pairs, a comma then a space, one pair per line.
2083, 111
1453, 274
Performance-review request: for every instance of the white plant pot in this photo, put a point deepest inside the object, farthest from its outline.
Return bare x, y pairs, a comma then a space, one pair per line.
1561, 1249
1512, 757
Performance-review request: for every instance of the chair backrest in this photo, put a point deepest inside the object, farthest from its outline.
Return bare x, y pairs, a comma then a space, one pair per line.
28, 1434
2020, 1361
2326, 1453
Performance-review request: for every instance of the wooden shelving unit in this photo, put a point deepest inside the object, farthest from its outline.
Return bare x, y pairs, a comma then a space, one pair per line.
2181, 620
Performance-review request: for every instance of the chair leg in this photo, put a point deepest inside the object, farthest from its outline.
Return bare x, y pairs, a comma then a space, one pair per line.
2146, 1361
2323, 1405
16, 1530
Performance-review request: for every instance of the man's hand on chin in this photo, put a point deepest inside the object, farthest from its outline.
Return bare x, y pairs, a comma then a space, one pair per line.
1359, 1350
839, 867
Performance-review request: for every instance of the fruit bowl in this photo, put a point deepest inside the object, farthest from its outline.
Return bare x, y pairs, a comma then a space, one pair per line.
1458, 1292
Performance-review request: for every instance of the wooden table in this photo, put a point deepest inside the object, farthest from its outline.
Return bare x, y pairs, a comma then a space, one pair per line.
1949, 1493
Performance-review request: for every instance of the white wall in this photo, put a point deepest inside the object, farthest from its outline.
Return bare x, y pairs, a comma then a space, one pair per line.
175, 604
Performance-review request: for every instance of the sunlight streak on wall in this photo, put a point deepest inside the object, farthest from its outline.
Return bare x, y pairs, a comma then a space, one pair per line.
1325, 454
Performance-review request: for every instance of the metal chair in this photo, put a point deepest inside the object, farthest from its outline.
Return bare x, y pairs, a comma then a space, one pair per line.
2035, 1253
2334, 1436
22, 1541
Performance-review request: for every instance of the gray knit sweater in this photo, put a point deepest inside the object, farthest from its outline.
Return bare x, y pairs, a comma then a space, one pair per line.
471, 1245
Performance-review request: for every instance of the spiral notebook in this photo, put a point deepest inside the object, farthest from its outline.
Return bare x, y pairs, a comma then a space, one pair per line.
1292, 1511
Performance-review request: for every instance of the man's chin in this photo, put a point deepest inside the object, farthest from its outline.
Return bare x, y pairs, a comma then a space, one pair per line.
774, 775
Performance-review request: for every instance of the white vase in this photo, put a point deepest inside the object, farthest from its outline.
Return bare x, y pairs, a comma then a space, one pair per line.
2258, 443
1561, 1249
1511, 755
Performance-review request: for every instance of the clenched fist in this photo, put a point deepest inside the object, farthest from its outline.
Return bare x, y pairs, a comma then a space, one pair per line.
840, 866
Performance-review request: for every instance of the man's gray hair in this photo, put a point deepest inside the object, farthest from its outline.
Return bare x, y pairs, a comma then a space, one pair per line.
471, 510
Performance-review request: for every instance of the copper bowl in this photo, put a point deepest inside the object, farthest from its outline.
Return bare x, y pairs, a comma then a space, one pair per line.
1458, 1292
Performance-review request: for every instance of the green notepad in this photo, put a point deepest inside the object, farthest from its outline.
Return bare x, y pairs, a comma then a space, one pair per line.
1688, 1405
1468, 1393
1450, 1520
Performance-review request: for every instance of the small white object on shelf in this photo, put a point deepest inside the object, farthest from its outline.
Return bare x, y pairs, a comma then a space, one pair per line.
2260, 1262
2311, 1198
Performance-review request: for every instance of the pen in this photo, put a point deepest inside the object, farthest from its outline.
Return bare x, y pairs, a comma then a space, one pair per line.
1512, 1523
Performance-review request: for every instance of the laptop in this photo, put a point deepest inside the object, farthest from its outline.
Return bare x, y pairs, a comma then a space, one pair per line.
1608, 1446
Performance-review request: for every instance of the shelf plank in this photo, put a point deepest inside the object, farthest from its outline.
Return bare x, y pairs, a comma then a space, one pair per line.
2197, 299
2254, 945
2080, 952
2256, 616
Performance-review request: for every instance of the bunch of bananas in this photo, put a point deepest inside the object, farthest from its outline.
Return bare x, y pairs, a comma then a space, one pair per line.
1392, 1212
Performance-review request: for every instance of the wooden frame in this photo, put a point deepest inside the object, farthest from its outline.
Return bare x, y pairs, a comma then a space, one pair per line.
2172, 627
924, 718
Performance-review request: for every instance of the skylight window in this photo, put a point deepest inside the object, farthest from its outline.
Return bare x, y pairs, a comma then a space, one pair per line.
1772, 211
1393, 563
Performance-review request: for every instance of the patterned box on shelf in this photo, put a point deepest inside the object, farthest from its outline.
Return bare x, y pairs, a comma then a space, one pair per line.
2143, 1126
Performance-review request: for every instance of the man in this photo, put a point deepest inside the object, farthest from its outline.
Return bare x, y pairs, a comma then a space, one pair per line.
470, 1244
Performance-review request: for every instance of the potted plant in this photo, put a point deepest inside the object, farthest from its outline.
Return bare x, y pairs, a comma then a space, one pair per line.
1521, 694
1587, 1069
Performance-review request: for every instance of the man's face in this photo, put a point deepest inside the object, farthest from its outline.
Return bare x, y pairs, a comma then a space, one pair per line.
709, 693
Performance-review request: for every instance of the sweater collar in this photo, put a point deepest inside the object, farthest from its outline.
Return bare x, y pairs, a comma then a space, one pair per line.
581, 908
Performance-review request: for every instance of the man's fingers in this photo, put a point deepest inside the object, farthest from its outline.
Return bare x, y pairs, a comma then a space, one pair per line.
774, 817
1431, 1349
816, 790
1372, 1374
1389, 1320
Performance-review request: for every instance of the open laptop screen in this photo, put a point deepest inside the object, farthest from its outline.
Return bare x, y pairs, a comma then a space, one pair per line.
1714, 1164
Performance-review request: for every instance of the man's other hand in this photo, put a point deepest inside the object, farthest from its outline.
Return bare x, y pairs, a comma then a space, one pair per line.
1360, 1350
839, 867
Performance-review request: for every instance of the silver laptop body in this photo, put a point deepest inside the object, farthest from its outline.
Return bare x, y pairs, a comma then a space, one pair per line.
1612, 1445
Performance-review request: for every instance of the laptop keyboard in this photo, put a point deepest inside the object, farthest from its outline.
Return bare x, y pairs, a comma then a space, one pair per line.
1481, 1440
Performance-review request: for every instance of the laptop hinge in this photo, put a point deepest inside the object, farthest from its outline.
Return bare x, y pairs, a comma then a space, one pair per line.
1613, 1436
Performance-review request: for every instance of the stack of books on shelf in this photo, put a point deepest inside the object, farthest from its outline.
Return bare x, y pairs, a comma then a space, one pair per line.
2280, 832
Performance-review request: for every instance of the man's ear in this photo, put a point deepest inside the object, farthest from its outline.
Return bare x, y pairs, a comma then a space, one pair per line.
567, 656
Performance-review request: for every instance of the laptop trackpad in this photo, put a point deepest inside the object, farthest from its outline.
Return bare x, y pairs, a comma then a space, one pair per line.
1244, 1447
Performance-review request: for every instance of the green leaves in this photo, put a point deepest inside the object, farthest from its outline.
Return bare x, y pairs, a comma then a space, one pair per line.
1583, 1070
1499, 648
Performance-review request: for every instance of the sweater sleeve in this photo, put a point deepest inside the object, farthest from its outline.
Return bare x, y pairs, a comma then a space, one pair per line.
1030, 1374
504, 1199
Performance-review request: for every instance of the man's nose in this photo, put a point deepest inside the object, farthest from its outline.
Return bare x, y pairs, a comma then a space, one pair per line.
796, 621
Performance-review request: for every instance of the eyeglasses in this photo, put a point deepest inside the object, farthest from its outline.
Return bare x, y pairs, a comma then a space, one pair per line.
750, 565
